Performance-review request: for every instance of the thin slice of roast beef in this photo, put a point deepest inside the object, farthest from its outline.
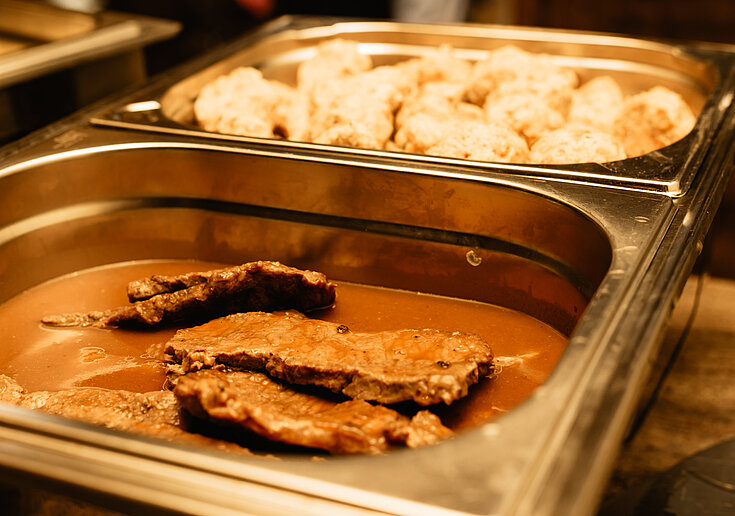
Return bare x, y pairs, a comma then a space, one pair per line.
427, 366
278, 412
154, 414
202, 296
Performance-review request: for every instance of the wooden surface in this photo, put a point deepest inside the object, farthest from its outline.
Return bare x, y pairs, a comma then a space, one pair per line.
695, 408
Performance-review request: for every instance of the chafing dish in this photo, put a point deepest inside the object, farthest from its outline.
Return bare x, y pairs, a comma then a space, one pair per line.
600, 258
702, 74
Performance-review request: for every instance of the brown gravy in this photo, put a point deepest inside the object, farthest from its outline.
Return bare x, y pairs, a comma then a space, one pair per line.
43, 358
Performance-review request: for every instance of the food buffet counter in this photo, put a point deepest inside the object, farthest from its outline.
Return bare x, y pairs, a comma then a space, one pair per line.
598, 251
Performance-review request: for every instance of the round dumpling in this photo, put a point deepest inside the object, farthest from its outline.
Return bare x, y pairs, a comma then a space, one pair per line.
576, 144
597, 103
334, 59
653, 119
526, 113
243, 102
482, 142
510, 64
440, 64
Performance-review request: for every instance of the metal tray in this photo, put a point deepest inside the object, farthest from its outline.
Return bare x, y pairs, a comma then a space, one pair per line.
701, 73
54, 61
601, 258
601, 264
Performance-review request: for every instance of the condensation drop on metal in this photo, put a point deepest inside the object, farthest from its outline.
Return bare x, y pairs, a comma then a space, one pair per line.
473, 258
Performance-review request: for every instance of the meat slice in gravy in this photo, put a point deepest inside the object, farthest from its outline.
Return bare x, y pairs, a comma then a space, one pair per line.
201, 296
155, 414
274, 410
426, 366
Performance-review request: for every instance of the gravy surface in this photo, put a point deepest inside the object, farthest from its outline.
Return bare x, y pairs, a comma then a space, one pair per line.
46, 358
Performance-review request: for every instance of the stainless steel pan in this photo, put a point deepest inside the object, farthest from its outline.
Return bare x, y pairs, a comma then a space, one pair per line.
602, 261
701, 73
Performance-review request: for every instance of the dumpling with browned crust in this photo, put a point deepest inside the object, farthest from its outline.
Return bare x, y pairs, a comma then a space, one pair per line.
576, 144
441, 64
334, 59
358, 111
480, 141
526, 113
597, 103
653, 119
509, 64
244, 103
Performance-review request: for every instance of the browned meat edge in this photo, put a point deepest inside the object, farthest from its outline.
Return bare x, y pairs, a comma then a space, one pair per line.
242, 288
154, 414
274, 410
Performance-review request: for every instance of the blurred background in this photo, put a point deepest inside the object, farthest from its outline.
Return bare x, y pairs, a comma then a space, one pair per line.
211, 22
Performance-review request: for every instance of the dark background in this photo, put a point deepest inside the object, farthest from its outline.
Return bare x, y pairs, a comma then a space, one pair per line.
209, 23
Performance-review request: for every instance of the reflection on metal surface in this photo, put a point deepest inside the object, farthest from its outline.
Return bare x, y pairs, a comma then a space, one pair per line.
532, 248
473, 258
41, 21
54, 61
118, 34
137, 107
598, 256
